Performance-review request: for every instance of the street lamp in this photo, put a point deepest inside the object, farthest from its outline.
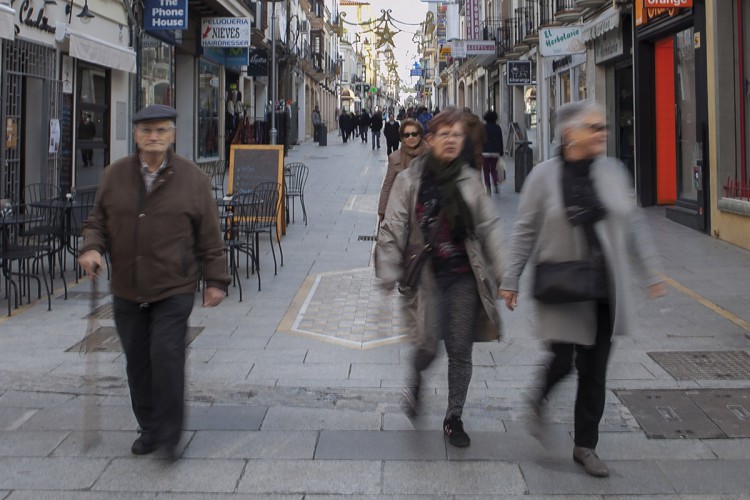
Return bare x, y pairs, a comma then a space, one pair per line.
274, 83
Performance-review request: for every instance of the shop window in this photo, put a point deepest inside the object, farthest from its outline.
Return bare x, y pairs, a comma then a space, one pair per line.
581, 77
564, 87
207, 143
92, 124
157, 77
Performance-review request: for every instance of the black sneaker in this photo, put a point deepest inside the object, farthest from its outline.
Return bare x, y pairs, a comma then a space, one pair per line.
145, 444
454, 429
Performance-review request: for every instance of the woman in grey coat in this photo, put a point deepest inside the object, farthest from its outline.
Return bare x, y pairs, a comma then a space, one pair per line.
578, 207
439, 199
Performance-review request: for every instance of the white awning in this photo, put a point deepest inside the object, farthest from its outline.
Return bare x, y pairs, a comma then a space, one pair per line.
607, 20
97, 51
7, 28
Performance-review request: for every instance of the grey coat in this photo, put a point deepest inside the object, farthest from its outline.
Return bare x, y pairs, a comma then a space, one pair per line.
400, 226
542, 234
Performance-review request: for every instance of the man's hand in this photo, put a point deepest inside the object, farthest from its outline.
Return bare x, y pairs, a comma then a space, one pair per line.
212, 296
91, 262
510, 298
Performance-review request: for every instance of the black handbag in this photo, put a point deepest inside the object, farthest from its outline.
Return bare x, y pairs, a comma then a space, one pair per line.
564, 282
415, 256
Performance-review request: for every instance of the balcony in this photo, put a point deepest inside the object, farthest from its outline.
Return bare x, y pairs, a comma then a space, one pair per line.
531, 22
503, 41
518, 36
547, 13
590, 4
490, 28
567, 11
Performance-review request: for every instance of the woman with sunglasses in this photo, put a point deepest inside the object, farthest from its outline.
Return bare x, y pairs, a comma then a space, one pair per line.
576, 214
439, 201
412, 146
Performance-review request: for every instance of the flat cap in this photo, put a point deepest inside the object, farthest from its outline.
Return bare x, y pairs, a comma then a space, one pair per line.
155, 112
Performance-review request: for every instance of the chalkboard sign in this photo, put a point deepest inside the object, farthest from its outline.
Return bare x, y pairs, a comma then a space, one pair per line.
250, 165
519, 72
64, 154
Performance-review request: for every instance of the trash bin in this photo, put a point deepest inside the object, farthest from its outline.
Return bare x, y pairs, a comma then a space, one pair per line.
316, 133
524, 161
322, 135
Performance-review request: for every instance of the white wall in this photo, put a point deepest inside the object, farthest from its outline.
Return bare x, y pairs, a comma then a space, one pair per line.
120, 88
185, 104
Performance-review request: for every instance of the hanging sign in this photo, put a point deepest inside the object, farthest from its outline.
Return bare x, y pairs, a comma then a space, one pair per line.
473, 25
645, 10
225, 31
415, 72
458, 49
667, 4
235, 57
519, 72
561, 40
165, 15
258, 63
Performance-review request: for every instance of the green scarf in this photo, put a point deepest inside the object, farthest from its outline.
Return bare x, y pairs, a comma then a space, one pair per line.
455, 210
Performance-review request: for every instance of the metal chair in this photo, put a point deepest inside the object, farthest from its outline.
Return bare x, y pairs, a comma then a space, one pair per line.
216, 171
239, 236
268, 202
295, 175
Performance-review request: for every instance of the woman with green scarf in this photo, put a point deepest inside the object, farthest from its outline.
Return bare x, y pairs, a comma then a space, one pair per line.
439, 200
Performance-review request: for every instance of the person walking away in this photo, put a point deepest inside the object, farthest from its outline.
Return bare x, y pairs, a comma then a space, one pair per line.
439, 200
344, 126
412, 146
576, 210
364, 125
475, 139
391, 133
155, 215
87, 132
424, 118
493, 150
376, 125
317, 121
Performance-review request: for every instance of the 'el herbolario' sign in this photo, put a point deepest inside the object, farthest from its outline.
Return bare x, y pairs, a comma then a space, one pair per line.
225, 31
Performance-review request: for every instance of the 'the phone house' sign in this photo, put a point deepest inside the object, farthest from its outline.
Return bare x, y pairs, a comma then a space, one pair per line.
225, 31
165, 15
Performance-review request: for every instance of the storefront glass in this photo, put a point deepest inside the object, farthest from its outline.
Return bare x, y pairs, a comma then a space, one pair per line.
157, 76
581, 77
92, 124
689, 153
207, 143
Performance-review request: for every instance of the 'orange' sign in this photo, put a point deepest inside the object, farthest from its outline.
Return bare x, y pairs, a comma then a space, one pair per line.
666, 4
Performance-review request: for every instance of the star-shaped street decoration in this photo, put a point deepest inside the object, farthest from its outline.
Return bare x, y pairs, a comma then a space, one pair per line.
385, 36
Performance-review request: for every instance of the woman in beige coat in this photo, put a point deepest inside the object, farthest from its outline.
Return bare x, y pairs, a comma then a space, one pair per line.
439, 197
412, 146
578, 207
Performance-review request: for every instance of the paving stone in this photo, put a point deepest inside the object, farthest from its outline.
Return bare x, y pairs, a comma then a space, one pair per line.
29, 443
232, 496
63, 417
440, 478
342, 477
636, 446
306, 370
380, 445
733, 449
13, 418
292, 418
31, 399
78, 495
50, 473
565, 477
263, 444
104, 444
734, 496
225, 418
328, 383
226, 372
148, 474
707, 476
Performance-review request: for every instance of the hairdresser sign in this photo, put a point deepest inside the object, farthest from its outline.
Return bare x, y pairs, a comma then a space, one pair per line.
225, 31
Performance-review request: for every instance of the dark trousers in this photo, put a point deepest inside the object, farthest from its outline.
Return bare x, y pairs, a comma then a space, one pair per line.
363, 132
153, 338
345, 134
375, 137
391, 146
591, 364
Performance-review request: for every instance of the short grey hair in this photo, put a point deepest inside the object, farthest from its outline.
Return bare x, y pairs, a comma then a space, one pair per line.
569, 115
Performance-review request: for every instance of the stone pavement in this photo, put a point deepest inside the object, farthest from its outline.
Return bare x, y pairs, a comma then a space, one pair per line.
293, 393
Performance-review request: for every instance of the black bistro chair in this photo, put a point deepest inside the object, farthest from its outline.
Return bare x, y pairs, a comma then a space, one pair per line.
239, 236
295, 175
267, 202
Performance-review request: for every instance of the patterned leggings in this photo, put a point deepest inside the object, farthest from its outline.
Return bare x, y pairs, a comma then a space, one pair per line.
459, 302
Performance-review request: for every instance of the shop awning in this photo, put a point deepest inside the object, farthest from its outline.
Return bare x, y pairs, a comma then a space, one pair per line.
607, 20
97, 51
7, 28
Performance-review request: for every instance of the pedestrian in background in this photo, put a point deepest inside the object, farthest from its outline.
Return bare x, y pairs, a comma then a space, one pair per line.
475, 139
493, 151
376, 125
438, 201
424, 117
364, 125
344, 125
412, 146
576, 210
391, 133
155, 215
317, 121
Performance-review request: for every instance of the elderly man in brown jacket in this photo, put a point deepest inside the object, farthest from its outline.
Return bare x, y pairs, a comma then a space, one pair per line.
155, 214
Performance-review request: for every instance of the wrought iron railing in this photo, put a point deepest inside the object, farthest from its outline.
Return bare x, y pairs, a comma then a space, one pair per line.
490, 28
546, 12
532, 18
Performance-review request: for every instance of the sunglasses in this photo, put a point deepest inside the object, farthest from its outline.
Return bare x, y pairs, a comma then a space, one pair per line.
410, 134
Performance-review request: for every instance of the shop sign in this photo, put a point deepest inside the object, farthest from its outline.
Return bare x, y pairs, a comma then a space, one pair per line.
39, 19
563, 63
165, 15
458, 49
445, 52
646, 10
519, 72
258, 63
415, 72
480, 47
473, 27
608, 46
225, 31
562, 40
235, 57
441, 24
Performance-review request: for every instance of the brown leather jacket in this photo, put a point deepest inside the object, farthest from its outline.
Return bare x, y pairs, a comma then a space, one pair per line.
156, 240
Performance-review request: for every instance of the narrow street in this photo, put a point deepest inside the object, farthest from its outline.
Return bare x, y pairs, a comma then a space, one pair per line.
294, 392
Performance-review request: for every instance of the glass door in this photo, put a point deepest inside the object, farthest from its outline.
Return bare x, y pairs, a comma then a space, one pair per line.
688, 150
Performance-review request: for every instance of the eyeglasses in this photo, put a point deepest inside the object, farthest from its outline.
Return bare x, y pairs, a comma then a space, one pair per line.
159, 131
456, 136
410, 134
595, 127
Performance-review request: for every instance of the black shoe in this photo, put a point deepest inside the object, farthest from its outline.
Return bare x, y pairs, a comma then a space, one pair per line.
145, 444
454, 429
